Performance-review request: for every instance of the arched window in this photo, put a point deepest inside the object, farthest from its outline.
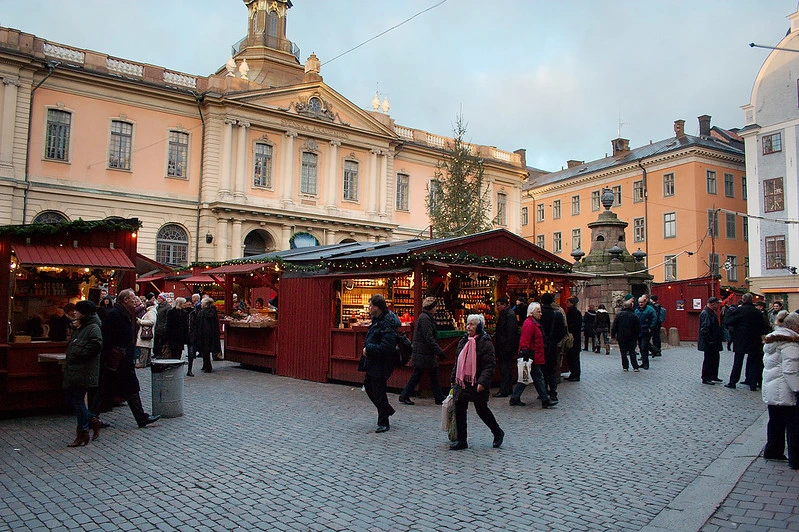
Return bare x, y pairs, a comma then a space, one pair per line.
257, 242
303, 240
315, 105
271, 24
172, 245
50, 217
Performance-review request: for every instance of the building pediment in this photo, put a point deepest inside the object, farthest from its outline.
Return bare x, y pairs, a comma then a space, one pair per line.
317, 103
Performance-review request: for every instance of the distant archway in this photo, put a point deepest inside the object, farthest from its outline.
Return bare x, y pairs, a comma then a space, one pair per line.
258, 242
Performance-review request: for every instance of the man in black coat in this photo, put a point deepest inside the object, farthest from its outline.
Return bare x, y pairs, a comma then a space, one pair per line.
378, 357
117, 361
748, 327
710, 341
574, 322
506, 341
554, 327
426, 354
589, 328
626, 329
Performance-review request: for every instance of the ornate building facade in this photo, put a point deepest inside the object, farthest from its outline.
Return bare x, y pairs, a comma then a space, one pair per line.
261, 155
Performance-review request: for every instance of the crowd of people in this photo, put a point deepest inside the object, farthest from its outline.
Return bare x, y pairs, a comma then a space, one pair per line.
109, 340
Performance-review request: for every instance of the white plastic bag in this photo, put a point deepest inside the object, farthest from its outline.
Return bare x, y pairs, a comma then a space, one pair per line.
446, 406
524, 371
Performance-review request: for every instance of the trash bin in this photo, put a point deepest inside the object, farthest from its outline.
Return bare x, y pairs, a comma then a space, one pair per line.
167, 387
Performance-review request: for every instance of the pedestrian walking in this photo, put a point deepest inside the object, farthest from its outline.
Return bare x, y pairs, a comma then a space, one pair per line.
655, 347
177, 328
506, 341
602, 329
82, 366
144, 337
207, 339
781, 389
646, 315
626, 330
553, 323
426, 353
574, 323
531, 348
589, 328
377, 360
710, 341
471, 379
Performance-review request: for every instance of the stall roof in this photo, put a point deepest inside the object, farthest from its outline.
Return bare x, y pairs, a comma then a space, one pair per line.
89, 257
198, 279
236, 268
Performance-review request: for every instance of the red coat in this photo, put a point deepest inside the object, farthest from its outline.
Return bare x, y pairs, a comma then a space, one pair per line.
532, 340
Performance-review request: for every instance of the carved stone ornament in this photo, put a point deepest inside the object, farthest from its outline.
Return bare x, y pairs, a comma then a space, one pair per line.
316, 107
310, 145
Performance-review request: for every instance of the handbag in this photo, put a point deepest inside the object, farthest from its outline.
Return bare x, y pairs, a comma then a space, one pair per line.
114, 358
146, 332
524, 371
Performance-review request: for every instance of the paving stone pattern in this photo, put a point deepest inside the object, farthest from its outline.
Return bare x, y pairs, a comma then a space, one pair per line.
256, 451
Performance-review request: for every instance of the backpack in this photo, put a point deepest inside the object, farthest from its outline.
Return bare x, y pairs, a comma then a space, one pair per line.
404, 350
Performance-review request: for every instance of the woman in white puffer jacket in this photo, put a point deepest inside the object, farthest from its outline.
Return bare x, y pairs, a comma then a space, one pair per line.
780, 388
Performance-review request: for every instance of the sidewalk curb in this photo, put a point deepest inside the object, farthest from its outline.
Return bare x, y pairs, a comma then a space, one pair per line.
691, 509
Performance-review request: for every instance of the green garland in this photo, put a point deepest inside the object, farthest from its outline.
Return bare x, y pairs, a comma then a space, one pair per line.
78, 226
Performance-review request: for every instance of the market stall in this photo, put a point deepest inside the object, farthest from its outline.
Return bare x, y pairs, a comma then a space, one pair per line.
51, 265
325, 290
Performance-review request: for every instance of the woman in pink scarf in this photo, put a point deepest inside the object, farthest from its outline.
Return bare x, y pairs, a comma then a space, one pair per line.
471, 379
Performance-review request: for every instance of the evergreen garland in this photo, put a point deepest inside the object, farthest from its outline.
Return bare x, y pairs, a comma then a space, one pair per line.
77, 226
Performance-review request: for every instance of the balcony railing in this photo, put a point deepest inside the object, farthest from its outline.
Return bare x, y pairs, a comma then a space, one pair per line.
268, 41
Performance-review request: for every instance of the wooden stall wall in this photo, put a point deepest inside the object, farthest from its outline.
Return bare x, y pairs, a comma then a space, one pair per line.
677, 295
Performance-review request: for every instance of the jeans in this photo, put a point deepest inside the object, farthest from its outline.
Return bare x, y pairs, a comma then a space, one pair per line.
376, 390
480, 400
604, 340
628, 351
538, 382
589, 335
76, 398
416, 376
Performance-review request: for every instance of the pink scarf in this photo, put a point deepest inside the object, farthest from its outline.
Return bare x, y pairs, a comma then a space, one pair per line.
467, 363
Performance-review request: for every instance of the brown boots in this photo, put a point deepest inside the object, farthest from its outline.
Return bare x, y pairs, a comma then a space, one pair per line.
81, 438
95, 425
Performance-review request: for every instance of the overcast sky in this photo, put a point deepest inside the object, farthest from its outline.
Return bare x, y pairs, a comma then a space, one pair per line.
553, 77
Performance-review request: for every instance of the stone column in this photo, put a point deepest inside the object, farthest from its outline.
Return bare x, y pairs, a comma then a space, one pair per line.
382, 181
332, 176
221, 239
236, 243
287, 188
226, 158
330, 238
285, 237
374, 183
241, 160
9, 114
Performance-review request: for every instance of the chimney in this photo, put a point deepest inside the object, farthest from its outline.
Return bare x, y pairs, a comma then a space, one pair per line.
620, 146
704, 126
572, 163
679, 129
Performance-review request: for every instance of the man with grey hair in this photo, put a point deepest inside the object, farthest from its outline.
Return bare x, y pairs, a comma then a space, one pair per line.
626, 329
748, 327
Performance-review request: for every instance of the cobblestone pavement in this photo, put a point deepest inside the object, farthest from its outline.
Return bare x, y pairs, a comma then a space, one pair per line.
654, 450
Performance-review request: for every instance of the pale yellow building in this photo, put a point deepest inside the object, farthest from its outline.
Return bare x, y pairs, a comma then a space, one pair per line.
258, 156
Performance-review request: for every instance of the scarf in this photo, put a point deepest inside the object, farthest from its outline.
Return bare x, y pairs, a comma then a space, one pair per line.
467, 363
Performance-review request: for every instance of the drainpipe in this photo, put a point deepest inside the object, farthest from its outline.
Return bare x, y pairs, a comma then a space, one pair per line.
646, 210
199, 98
51, 66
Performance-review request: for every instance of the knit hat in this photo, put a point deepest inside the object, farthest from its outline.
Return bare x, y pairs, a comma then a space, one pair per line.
86, 307
429, 302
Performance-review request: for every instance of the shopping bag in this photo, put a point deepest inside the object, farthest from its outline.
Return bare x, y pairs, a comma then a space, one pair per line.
525, 371
445, 407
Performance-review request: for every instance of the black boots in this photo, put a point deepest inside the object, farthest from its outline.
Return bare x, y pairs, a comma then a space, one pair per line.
191, 363
142, 418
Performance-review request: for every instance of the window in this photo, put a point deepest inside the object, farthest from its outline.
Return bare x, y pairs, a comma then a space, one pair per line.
403, 181
711, 182
744, 194
315, 105
775, 252
178, 154
670, 267
576, 239
525, 219
670, 225
745, 228
596, 202
121, 141
557, 242
502, 208
56, 144
540, 241
729, 185
271, 23
772, 143
351, 180
713, 263
638, 191
773, 198
668, 185
712, 223
49, 217
172, 246
556, 209
308, 176
435, 190
639, 230
616, 195
539, 212
731, 265
575, 205
730, 219
262, 167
